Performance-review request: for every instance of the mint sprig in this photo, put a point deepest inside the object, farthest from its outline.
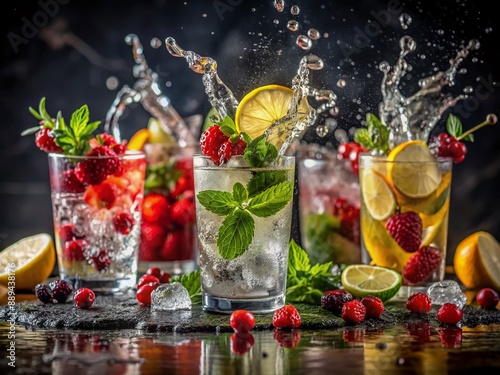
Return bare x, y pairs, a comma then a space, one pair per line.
237, 229
375, 136
455, 129
259, 152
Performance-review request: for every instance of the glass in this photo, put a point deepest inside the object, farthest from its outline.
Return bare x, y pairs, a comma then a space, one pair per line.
97, 227
254, 280
380, 248
329, 210
169, 172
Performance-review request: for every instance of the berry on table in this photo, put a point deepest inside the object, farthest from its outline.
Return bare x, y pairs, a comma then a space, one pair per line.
334, 300
406, 229
144, 279
84, 298
449, 313
487, 298
143, 294
353, 312
419, 302
242, 321
374, 306
421, 265
287, 338
43, 293
61, 290
450, 337
286, 317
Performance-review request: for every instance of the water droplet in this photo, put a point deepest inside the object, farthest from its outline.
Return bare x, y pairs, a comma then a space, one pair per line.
112, 83
304, 42
331, 123
340, 135
156, 43
440, 32
474, 44
384, 67
488, 30
322, 131
292, 25
314, 62
253, 10
405, 20
475, 59
407, 44
276, 22
326, 35
279, 5
334, 111
313, 34
204, 15
468, 90
341, 83
295, 10
462, 71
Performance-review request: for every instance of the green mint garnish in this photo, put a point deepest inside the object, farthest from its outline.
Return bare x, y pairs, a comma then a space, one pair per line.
192, 282
454, 128
375, 136
259, 152
237, 229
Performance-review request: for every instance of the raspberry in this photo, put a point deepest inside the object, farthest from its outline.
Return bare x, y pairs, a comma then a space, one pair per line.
241, 343
84, 298
419, 303
143, 294
45, 141
123, 222
101, 261
287, 339
152, 237
211, 141
242, 321
230, 149
421, 265
61, 290
353, 312
449, 313
406, 229
93, 171
74, 250
451, 337
43, 293
144, 279
487, 298
334, 300
183, 212
374, 306
156, 210
286, 317
71, 183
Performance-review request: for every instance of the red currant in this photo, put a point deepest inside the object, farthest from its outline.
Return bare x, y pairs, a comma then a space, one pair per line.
155, 271
487, 298
144, 279
144, 293
84, 298
242, 321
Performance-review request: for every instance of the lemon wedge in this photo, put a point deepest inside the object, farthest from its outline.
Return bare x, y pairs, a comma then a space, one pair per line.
377, 195
29, 261
138, 140
413, 170
261, 107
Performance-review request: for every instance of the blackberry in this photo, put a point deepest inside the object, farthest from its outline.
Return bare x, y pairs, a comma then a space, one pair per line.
43, 293
334, 300
61, 290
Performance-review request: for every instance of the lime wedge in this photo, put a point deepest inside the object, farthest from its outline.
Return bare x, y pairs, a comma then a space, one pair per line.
362, 280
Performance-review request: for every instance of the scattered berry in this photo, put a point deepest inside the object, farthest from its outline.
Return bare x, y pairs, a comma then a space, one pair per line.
334, 300
84, 298
242, 321
421, 265
61, 290
45, 141
74, 250
143, 294
286, 317
211, 141
449, 313
144, 279
123, 222
43, 293
374, 306
419, 303
487, 298
156, 210
406, 229
451, 337
353, 312
241, 343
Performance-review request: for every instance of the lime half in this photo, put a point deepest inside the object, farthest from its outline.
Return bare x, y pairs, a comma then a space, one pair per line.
363, 280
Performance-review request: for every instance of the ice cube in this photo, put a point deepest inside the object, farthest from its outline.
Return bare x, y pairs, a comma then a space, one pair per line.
447, 291
170, 296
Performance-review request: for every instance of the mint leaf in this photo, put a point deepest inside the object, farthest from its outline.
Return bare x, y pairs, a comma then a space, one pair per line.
272, 200
377, 132
227, 126
79, 120
235, 234
260, 153
263, 180
361, 136
35, 114
192, 282
298, 260
240, 194
453, 126
468, 138
218, 202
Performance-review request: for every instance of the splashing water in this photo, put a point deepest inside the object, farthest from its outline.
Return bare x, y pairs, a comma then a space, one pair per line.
223, 100
279, 5
414, 117
146, 91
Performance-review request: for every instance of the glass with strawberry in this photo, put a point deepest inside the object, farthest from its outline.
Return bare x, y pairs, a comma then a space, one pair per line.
97, 190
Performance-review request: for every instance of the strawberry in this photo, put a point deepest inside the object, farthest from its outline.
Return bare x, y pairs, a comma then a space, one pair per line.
421, 265
353, 312
45, 141
242, 321
175, 246
183, 212
419, 303
406, 229
152, 236
334, 300
449, 313
103, 195
74, 250
229, 149
374, 306
123, 222
182, 184
104, 162
211, 141
286, 317
71, 183
156, 210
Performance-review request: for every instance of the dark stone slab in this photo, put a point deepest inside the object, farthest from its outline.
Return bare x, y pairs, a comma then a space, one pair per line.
109, 313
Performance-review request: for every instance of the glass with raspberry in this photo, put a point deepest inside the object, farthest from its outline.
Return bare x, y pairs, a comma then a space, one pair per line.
329, 203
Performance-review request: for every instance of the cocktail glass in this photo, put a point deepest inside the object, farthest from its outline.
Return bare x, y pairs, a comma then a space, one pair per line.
97, 227
419, 268
246, 274
169, 174
329, 209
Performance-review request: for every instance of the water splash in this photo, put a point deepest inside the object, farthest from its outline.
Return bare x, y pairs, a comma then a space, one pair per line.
279, 5
146, 91
414, 117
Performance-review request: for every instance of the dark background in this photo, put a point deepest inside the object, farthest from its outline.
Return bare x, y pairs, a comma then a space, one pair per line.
77, 51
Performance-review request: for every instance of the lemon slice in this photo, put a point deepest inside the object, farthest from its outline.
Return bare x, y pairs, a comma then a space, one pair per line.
362, 280
138, 140
261, 107
33, 259
413, 169
377, 195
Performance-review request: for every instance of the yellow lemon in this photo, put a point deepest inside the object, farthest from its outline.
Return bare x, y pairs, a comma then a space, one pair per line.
377, 195
413, 170
261, 107
138, 140
477, 261
31, 258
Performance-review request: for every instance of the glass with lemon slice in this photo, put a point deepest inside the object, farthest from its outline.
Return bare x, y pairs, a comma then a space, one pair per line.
408, 180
